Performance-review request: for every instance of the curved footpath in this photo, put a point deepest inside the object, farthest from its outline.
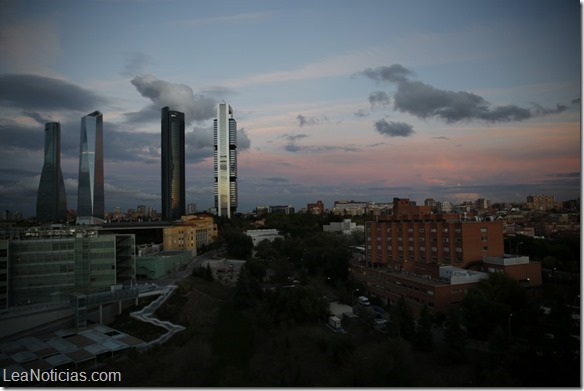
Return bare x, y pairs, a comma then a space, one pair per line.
145, 315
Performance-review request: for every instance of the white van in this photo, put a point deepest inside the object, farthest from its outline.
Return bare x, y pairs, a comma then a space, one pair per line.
363, 300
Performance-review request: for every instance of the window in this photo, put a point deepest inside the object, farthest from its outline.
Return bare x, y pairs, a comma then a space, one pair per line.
483, 229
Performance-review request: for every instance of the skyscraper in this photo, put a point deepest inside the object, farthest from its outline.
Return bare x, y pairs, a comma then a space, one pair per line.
90, 196
225, 160
51, 198
173, 164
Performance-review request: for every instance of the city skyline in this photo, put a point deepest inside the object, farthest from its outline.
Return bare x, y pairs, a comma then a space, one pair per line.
372, 100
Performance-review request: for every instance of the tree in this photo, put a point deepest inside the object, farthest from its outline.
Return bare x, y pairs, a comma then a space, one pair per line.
423, 337
454, 337
404, 319
239, 245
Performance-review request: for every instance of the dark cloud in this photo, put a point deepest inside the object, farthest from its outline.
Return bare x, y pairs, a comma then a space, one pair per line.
37, 117
440, 138
540, 110
361, 113
135, 63
393, 129
294, 137
302, 120
565, 175
387, 74
291, 147
31, 92
425, 101
379, 98
179, 97
15, 136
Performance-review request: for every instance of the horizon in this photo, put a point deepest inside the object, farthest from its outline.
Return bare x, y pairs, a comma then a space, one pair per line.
361, 101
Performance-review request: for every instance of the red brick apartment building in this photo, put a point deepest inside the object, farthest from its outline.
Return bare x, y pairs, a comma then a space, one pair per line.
433, 259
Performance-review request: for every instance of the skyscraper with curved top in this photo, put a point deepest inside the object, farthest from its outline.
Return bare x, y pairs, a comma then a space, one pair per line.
51, 197
225, 160
90, 195
173, 164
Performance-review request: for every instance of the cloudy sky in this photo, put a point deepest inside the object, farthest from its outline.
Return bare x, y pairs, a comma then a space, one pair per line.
364, 100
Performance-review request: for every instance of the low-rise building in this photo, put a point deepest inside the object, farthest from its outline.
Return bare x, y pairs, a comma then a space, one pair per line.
345, 227
257, 235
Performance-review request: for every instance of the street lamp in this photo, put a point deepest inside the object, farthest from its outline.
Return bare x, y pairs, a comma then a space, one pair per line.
510, 316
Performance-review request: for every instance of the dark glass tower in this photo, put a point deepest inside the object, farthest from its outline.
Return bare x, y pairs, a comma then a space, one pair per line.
225, 160
90, 196
173, 164
51, 198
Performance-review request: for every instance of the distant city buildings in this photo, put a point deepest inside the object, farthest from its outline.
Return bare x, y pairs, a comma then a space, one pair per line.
225, 161
275, 209
90, 195
173, 164
541, 202
316, 208
51, 197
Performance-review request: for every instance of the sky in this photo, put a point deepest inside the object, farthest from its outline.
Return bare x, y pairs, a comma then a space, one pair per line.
361, 100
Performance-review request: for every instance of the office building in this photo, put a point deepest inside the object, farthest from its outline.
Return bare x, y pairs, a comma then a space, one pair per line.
192, 233
225, 161
51, 197
52, 264
173, 164
90, 196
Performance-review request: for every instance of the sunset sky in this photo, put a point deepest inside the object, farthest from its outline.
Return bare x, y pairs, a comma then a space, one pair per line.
335, 100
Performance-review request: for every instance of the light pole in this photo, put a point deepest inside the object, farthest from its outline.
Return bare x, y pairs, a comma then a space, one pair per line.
510, 316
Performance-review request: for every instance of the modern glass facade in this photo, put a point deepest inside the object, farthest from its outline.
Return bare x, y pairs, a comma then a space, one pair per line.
90, 196
47, 270
225, 160
51, 197
173, 164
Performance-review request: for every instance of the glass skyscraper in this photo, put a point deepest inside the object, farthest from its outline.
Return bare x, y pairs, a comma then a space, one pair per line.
225, 160
51, 198
90, 196
173, 164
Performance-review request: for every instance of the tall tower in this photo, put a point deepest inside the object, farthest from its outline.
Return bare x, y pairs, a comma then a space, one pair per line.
90, 196
173, 164
225, 160
51, 198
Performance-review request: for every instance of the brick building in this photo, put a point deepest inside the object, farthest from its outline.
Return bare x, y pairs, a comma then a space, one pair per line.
433, 259
417, 241
316, 208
